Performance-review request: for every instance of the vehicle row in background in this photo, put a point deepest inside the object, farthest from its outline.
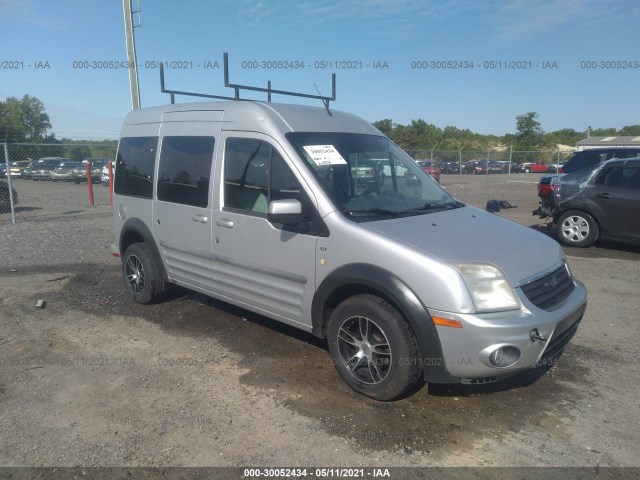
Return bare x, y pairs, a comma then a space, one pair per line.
58, 169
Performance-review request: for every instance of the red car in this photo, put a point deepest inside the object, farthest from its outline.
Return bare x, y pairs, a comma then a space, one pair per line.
431, 168
535, 167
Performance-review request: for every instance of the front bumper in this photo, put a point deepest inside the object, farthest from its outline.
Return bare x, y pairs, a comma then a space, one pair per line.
467, 350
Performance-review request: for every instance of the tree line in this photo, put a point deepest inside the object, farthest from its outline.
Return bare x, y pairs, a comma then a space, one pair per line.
25, 120
529, 136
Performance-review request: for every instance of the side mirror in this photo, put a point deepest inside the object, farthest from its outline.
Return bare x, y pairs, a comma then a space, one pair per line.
286, 212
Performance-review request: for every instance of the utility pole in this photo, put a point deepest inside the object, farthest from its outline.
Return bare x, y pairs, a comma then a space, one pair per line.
131, 53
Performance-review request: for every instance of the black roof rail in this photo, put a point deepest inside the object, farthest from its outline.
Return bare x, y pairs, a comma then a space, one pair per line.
238, 87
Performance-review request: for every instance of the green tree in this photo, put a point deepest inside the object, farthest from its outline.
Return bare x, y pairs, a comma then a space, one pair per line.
418, 135
604, 132
23, 120
529, 133
566, 136
630, 130
78, 152
385, 126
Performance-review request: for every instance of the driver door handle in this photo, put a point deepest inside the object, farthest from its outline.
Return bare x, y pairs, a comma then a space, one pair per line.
224, 222
604, 195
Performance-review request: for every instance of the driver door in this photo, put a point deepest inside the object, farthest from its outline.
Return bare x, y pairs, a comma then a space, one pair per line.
268, 267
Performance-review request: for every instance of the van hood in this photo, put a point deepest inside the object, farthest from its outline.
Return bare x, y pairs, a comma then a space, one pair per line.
469, 234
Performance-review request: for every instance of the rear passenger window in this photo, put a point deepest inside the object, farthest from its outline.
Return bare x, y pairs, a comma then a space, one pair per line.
622, 176
134, 166
255, 174
184, 171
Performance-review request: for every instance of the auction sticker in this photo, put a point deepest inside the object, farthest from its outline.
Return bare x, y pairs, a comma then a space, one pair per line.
323, 155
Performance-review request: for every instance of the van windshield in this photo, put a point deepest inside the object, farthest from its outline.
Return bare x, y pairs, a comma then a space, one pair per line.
367, 177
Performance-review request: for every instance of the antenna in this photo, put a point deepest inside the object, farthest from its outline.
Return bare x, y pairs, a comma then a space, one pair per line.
238, 87
326, 103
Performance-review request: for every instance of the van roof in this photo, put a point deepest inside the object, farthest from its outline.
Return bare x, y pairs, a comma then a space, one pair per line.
256, 116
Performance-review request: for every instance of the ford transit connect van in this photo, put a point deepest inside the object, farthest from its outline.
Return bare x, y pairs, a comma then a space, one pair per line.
264, 206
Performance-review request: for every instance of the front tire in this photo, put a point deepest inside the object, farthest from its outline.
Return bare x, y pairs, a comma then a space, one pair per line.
141, 275
373, 348
577, 229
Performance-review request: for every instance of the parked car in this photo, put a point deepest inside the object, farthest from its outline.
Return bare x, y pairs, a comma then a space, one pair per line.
450, 167
535, 167
65, 172
555, 167
384, 167
96, 169
41, 169
431, 168
252, 204
482, 167
585, 159
17, 168
104, 177
3, 170
365, 173
493, 166
475, 167
5, 200
510, 168
599, 203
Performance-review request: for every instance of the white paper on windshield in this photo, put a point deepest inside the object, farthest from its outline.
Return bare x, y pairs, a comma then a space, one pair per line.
323, 155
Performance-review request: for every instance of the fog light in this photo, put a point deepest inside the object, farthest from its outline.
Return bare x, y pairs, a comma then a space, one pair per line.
505, 356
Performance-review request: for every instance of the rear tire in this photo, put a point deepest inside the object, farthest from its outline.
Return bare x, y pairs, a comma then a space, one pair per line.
141, 275
577, 229
373, 348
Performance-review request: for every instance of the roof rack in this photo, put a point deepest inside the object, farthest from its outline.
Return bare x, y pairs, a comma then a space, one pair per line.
237, 87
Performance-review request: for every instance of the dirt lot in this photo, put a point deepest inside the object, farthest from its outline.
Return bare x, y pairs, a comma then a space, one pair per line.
96, 380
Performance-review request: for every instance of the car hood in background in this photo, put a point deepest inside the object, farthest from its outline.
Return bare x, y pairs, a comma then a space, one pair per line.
469, 234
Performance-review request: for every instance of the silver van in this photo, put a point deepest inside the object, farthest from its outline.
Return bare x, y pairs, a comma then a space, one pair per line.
261, 205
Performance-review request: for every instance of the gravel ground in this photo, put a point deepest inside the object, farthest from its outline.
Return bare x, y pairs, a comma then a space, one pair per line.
96, 380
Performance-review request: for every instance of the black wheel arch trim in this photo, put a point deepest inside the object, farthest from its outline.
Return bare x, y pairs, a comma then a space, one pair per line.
137, 226
370, 278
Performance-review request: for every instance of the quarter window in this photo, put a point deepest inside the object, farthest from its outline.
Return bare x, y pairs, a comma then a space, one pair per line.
134, 166
184, 171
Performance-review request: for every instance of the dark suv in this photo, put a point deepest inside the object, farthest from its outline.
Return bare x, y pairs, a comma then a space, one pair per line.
602, 203
586, 159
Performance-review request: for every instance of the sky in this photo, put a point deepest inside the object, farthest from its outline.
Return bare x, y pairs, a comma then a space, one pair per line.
463, 63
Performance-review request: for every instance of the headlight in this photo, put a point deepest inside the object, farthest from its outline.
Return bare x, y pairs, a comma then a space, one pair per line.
488, 287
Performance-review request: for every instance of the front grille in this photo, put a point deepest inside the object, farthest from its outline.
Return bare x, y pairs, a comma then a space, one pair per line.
547, 291
564, 332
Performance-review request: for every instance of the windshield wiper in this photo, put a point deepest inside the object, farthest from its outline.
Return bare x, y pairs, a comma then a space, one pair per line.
416, 210
382, 211
434, 206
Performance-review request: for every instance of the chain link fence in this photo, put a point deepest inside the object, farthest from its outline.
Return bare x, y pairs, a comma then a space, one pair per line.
53, 179
510, 161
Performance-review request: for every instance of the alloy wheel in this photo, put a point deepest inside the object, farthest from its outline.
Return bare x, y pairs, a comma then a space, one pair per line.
134, 272
364, 349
